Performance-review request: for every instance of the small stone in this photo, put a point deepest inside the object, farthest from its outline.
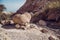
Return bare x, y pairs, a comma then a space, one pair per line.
33, 26
17, 26
42, 23
23, 27
1, 25
4, 22
27, 25
44, 30
11, 22
22, 19
58, 36
53, 38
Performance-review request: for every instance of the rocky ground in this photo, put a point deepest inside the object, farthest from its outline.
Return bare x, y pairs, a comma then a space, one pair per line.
41, 33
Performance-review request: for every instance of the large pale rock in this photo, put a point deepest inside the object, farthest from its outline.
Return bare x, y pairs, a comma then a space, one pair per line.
22, 18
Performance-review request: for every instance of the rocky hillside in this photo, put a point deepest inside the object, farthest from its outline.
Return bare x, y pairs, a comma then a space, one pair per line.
34, 5
47, 10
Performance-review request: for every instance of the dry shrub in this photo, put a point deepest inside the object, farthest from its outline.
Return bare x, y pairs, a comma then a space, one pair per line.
53, 4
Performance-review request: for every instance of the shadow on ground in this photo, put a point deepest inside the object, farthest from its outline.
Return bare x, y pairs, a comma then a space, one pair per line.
9, 26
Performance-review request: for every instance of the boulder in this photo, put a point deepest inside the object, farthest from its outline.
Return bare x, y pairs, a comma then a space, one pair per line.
22, 19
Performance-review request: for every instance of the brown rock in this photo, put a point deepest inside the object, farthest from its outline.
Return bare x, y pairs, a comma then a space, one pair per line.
54, 14
44, 31
5, 22
17, 26
16, 18
58, 36
53, 38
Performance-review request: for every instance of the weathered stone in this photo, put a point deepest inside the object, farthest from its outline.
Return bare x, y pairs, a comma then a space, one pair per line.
11, 22
42, 23
4, 22
44, 31
22, 19
53, 38
17, 26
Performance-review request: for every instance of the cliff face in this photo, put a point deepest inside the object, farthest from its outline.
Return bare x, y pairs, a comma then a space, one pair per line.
32, 5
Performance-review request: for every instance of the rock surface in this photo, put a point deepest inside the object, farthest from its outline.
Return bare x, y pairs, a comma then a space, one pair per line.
31, 34
34, 33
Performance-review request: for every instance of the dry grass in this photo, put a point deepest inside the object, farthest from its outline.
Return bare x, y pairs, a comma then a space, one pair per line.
55, 4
